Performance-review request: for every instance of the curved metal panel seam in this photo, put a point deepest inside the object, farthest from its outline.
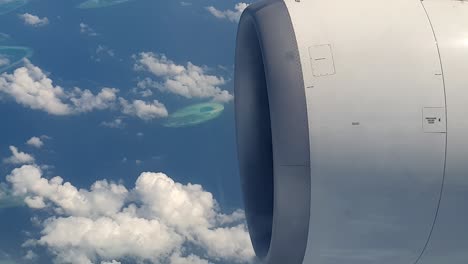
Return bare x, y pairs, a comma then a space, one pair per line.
446, 137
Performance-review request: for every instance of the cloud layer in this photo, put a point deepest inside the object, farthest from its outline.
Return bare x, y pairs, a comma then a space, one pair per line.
231, 15
159, 220
190, 81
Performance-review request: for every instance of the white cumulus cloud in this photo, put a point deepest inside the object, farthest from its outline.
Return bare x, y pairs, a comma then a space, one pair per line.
158, 221
32, 88
86, 101
190, 81
144, 110
104, 198
231, 15
18, 157
35, 142
34, 20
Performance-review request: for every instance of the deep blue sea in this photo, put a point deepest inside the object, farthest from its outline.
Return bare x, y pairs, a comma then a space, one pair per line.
79, 148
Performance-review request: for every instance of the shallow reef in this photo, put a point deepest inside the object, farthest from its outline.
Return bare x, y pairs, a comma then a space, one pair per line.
194, 114
100, 3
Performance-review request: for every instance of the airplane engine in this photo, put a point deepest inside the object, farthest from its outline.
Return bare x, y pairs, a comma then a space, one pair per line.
352, 125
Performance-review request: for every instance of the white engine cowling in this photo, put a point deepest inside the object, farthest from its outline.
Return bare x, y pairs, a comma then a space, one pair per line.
352, 125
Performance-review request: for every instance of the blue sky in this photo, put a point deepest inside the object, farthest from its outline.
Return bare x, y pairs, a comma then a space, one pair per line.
88, 106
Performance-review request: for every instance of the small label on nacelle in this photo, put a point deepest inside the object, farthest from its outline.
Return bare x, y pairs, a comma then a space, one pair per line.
434, 120
321, 58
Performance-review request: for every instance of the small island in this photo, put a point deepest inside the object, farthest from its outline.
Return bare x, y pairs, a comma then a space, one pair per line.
194, 115
90, 4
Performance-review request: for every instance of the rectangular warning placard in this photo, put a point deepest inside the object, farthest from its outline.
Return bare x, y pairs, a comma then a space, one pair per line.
321, 58
434, 120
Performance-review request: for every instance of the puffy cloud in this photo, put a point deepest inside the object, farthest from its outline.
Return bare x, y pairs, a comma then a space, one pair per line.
35, 142
231, 15
35, 202
31, 87
87, 30
103, 198
159, 221
110, 238
225, 243
144, 110
86, 101
33, 20
157, 191
190, 81
18, 157
223, 97
235, 217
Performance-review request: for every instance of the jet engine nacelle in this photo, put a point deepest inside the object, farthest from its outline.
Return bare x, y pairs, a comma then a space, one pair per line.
352, 126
